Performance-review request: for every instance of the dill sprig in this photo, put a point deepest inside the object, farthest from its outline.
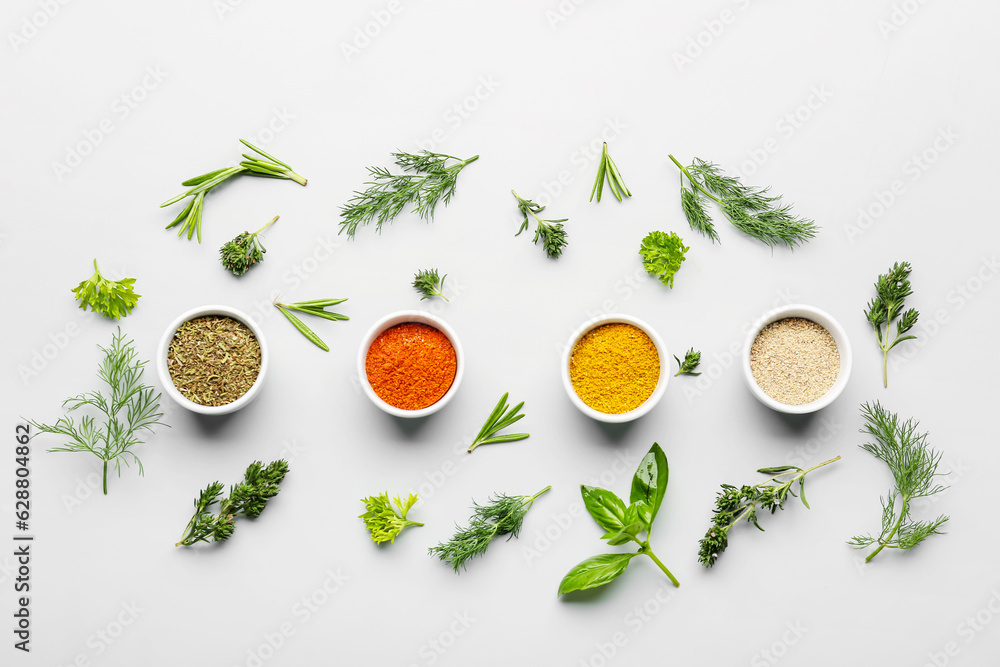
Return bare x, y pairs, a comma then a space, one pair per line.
428, 180
607, 170
112, 298
891, 290
429, 284
244, 251
249, 497
551, 232
498, 420
114, 439
747, 207
691, 360
385, 522
734, 504
317, 308
502, 515
913, 465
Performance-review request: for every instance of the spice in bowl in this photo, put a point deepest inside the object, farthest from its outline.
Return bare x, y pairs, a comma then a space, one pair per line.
614, 368
411, 365
794, 360
213, 360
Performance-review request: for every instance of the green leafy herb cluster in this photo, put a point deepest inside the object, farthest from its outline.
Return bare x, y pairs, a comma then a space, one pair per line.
749, 208
317, 308
891, 290
913, 465
607, 171
623, 524
662, 254
384, 521
498, 420
691, 360
734, 504
112, 298
551, 232
130, 409
238, 255
429, 284
427, 180
266, 165
502, 515
249, 498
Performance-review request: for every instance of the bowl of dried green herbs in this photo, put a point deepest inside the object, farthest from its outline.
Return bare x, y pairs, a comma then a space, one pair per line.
212, 360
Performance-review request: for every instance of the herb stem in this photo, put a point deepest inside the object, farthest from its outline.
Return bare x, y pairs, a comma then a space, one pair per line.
884, 542
649, 552
693, 182
105, 477
273, 220
532, 498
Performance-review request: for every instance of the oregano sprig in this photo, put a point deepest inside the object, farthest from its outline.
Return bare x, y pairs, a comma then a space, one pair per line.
317, 308
551, 232
891, 290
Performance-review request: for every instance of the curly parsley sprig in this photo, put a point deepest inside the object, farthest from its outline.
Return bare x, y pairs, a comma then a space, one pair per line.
662, 254
384, 521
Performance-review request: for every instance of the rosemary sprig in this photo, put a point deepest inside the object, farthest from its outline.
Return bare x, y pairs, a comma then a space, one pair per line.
427, 180
317, 308
551, 232
607, 170
498, 420
747, 207
734, 504
249, 497
429, 284
238, 255
115, 438
190, 217
112, 298
502, 515
691, 360
913, 465
385, 522
891, 290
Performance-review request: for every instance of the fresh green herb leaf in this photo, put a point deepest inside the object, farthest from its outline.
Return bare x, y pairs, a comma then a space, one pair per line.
503, 515
385, 522
891, 290
112, 298
551, 232
244, 251
747, 207
498, 420
691, 360
607, 170
662, 254
249, 498
426, 181
114, 439
317, 308
734, 504
623, 524
913, 465
429, 284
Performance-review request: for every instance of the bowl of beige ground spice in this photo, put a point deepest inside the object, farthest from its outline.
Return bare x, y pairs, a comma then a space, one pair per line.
212, 360
614, 368
797, 359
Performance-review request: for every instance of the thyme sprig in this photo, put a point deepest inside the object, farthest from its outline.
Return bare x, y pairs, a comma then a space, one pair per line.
734, 504
551, 232
498, 420
427, 180
749, 208
384, 521
429, 284
691, 360
891, 290
607, 171
238, 255
317, 308
502, 515
913, 465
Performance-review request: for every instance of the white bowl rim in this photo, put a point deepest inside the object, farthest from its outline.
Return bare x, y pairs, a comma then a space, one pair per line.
825, 320
661, 383
164, 373
401, 317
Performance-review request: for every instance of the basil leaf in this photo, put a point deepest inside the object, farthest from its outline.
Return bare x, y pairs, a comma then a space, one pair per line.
639, 512
626, 534
595, 571
607, 509
650, 481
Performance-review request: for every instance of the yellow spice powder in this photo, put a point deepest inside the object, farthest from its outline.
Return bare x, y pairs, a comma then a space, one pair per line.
614, 368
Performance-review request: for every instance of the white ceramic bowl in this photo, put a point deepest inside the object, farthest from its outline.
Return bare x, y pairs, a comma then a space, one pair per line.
661, 384
821, 318
400, 317
164, 374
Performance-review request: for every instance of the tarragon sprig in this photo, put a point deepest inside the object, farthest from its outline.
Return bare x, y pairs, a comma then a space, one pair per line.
891, 290
384, 521
551, 232
498, 420
317, 308
607, 171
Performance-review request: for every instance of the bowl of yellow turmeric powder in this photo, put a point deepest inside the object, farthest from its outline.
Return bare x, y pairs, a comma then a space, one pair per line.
612, 368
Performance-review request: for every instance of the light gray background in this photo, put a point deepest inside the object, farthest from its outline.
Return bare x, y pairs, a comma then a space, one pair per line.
888, 83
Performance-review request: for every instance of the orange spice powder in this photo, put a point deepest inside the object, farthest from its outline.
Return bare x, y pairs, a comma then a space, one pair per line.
411, 365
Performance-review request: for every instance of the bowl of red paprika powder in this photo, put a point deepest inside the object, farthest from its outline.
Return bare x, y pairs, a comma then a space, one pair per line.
410, 363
